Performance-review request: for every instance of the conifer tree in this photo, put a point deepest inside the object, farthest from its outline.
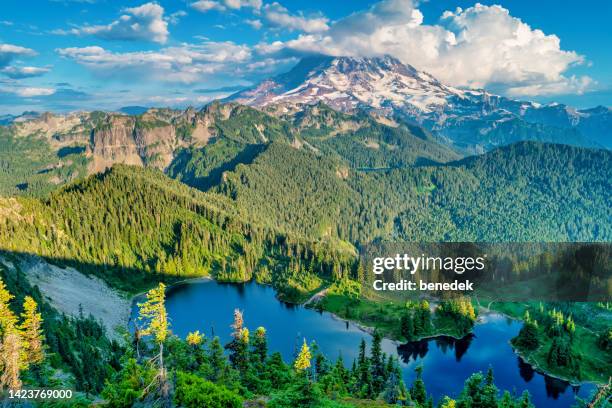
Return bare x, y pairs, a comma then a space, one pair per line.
12, 359
12, 354
32, 331
378, 363
260, 344
153, 314
407, 326
8, 320
302, 362
418, 392
217, 360
239, 345
194, 338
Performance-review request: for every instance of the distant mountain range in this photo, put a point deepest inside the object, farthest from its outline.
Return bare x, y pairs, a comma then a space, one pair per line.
366, 114
473, 120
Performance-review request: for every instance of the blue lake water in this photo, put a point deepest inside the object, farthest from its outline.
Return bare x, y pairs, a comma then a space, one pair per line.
208, 306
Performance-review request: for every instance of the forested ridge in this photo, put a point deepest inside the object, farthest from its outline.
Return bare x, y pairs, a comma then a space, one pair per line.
135, 226
524, 192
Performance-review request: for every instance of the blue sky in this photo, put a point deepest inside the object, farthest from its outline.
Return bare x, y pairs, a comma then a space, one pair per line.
84, 54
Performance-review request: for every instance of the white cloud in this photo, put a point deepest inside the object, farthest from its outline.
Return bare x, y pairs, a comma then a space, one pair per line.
480, 46
144, 23
222, 5
565, 85
9, 51
31, 92
238, 4
175, 17
187, 63
256, 24
278, 16
205, 5
23, 72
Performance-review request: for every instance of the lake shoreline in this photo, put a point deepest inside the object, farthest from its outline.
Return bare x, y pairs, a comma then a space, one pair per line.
370, 330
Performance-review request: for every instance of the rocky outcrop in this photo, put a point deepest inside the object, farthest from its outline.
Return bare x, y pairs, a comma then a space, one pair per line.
150, 139
113, 142
146, 140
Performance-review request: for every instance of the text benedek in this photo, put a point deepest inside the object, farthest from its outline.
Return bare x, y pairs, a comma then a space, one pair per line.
413, 264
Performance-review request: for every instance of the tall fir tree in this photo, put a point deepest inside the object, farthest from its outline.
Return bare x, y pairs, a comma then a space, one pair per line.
31, 328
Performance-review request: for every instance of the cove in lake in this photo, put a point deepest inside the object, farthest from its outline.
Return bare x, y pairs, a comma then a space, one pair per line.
208, 306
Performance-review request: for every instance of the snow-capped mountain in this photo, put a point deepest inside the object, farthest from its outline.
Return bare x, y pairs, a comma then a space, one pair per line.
472, 119
348, 83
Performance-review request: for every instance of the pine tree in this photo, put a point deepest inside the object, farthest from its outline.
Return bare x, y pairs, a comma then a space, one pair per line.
489, 391
32, 331
302, 362
239, 345
194, 338
13, 358
8, 320
153, 314
407, 326
377, 362
217, 360
528, 336
260, 345
418, 392
525, 401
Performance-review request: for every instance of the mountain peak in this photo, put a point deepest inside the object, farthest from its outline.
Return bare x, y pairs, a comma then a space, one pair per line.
472, 118
347, 83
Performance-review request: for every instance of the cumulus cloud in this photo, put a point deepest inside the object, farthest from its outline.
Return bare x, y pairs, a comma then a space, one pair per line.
222, 5
278, 16
206, 5
9, 51
144, 23
481, 46
23, 72
187, 63
256, 24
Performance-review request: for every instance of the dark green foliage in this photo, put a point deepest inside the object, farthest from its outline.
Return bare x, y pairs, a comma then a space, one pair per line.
126, 387
29, 166
479, 391
378, 361
604, 340
417, 391
560, 353
407, 326
522, 192
528, 337
195, 392
302, 393
203, 168
376, 146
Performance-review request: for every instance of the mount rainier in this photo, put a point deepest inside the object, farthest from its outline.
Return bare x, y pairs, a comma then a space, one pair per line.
471, 119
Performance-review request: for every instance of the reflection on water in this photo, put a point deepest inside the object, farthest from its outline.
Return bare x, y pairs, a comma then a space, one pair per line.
525, 370
208, 306
418, 349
